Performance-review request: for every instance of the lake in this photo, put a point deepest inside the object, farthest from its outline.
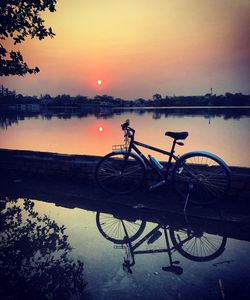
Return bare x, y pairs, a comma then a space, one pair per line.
222, 131
43, 255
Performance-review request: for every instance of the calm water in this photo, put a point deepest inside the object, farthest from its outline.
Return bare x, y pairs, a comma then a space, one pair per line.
209, 265
224, 132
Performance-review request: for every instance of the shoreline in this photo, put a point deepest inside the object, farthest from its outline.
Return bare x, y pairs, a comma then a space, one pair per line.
81, 168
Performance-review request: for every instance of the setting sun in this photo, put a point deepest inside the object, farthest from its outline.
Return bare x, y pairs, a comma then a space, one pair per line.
99, 82
100, 129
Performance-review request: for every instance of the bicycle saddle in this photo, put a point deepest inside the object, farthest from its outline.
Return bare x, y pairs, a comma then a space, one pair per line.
177, 135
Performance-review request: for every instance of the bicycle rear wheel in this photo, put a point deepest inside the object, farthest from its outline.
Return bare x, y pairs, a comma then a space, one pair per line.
120, 173
196, 245
203, 175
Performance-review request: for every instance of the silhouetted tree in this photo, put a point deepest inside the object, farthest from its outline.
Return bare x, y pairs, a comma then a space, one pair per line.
140, 101
107, 98
98, 98
21, 19
34, 256
157, 97
46, 96
81, 99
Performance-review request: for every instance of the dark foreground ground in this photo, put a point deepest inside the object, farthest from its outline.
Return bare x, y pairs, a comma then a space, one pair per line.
88, 196
140, 246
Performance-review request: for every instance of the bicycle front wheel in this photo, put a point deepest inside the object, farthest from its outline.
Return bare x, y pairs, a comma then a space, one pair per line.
117, 230
203, 176
120, 173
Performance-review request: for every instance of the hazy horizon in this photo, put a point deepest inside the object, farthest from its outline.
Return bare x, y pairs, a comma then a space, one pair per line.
139, 48
129, 99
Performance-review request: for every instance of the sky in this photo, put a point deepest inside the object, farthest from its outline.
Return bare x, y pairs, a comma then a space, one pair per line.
140, 47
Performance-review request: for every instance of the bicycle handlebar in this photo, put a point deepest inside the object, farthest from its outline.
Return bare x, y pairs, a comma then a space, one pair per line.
125, 125
129, 131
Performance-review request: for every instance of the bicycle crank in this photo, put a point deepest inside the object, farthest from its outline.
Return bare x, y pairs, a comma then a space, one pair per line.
154, 186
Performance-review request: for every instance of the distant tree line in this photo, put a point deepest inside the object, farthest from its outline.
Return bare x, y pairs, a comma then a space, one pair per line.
8, 97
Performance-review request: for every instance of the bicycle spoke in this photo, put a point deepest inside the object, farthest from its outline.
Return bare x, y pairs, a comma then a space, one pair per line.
119, 174
202, 247
114, 229
209, 178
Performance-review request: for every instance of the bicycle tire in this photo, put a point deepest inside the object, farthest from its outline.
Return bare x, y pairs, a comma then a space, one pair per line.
203, 175
112, 229
197, 247
116, 176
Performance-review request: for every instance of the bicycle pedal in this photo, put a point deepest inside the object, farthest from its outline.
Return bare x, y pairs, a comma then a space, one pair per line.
157, 185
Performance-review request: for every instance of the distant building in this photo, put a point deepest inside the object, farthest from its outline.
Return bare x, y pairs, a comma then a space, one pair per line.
46, 101
104, 103
28, 107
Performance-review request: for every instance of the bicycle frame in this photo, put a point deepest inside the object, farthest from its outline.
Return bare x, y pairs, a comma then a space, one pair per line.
145, 238
132, 146
132, 248
170, 250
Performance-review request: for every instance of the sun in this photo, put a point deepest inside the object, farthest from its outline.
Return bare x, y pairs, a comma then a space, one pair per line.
100, 129
99, 82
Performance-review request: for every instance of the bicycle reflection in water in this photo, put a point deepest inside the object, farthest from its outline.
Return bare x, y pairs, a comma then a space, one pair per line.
193, 244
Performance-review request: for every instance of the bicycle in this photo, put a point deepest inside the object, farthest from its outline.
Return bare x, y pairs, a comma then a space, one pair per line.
200, 177
191, 242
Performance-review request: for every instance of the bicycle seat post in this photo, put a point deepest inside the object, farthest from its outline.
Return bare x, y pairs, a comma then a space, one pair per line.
170, 157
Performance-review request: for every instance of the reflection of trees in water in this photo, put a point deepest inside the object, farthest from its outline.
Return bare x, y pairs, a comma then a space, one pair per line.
34, 256
7, 119
226, 113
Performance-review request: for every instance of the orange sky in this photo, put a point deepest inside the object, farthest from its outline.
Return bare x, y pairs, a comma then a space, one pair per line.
140, 47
